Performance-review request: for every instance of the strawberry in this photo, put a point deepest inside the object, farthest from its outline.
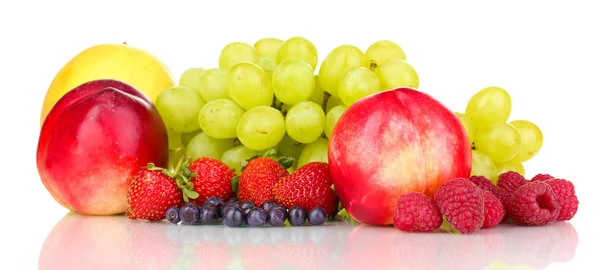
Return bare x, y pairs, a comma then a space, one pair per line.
211, 177
152, 191
258, 177
309, 187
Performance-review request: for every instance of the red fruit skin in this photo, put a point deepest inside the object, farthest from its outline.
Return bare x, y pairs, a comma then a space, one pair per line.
462, 203
94, 140
214, 179
415, 212
493, 210
150, 194
542, 177
508, 184
485, 184
394, 142
565, 194
533, 204
258, 179
309, 187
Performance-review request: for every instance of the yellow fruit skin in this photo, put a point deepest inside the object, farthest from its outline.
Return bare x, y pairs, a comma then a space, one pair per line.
110, 61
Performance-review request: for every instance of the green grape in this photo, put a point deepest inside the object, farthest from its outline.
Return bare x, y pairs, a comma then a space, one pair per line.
174, 156
318, 95
203, 145
249, 86
191, 78
261, 128
298, 48
188, 136
357, 83
337, 63
467, 123
484, 166
236, 52
174, 139
212, 84
507, 167
489, 106
305, 122
290, 148
531, 140
314, 151
235, 156
219, 118
332, 117
293, 81
179, 106
382, 51
332, 102
500, 142
397, 73
268, 65
268, 47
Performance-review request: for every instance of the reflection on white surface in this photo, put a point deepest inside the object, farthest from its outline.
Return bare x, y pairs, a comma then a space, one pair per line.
85, 242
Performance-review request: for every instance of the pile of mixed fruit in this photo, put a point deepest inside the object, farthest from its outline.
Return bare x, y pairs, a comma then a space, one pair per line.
272, 137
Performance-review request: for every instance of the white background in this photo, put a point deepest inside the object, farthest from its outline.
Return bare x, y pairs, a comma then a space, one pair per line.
543, 53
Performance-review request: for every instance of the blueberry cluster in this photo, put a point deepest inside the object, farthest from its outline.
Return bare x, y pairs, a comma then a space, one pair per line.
233, 213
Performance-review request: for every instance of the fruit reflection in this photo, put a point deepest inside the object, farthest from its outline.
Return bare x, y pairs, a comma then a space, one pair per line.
114, 242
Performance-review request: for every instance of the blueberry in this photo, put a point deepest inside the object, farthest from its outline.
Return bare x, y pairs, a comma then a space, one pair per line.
297, 216
232, 199
247, 210
224, 207
173, 215
277, 216
214, 201
317, 216
189, 213
233, 216
247, 204
208, 214
268, 205
257, 217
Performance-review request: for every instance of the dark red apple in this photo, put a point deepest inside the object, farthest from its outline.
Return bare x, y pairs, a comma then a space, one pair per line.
94, 140
394, 142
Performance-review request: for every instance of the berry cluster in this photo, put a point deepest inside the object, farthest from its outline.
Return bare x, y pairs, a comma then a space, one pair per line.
469, 205
235, 213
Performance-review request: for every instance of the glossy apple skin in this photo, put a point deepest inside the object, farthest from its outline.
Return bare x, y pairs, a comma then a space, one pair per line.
94, 140
390, 143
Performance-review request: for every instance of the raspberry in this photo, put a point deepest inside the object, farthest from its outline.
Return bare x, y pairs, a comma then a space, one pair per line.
508, 183
533, 204
542, 177
565, 194
493, 210
415, 212
485, 184
461, 203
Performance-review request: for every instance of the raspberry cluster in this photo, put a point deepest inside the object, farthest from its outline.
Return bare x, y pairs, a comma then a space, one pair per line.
474, 203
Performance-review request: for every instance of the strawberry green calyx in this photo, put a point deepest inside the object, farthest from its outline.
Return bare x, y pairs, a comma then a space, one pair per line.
182, 175
286, 162
235, 183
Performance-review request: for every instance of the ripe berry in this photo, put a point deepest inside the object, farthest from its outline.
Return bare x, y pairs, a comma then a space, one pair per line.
277, 215
257, 217
485, 184
208, 214
317, 216
173, 215
541, 177
415, 212
297, 216
189, 213
268, 205
508, 183
493, 210
533, 204
233, 216
565, 194
461, 203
